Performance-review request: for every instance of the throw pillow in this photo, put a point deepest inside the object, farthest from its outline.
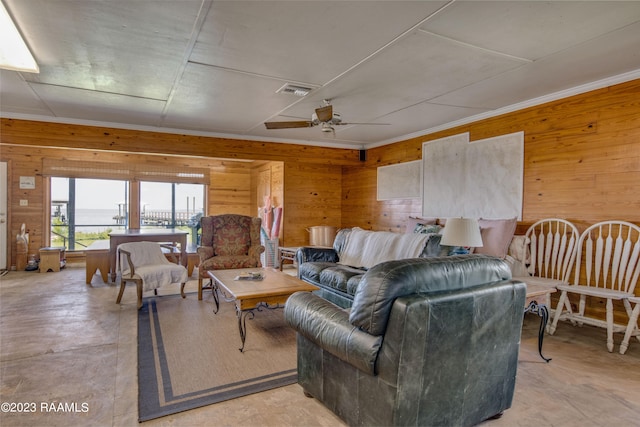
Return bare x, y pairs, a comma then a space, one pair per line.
433, 247
496, 236
427, 228
413, 221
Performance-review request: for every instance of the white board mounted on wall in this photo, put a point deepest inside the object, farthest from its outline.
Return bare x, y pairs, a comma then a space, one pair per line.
480, 179
400, 181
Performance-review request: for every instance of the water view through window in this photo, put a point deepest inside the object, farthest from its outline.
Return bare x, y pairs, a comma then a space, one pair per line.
85, 211
165, 204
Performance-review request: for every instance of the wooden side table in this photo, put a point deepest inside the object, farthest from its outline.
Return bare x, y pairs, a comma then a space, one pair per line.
287, 253
51, 259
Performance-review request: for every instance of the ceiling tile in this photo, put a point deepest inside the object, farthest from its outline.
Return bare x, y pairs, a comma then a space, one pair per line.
99, 106
531, 29
16, 96
220, 100
125, 47
415, 69
407, 121
573, 67
303, 41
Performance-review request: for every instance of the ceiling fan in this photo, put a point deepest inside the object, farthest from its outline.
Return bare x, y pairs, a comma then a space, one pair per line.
323, 116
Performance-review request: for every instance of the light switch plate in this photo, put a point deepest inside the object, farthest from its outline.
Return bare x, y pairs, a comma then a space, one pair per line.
24, 202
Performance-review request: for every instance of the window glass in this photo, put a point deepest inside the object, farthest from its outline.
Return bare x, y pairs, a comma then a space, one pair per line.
84, 211
172, 205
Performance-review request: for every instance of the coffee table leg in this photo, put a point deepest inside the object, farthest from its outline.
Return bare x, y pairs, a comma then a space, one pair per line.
542, 311
214, 290
242, 324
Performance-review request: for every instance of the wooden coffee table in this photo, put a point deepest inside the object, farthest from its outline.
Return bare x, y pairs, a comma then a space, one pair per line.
249, 295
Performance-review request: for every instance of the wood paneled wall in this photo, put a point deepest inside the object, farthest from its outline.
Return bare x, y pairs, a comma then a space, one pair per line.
23, 144
273, 175
228, 191
45, 134
312, 195
581, 162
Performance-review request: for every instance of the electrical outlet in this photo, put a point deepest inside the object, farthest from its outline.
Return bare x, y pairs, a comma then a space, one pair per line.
24, 202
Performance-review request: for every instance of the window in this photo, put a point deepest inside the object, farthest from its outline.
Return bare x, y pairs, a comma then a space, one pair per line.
85, 210
174, 205
91, 199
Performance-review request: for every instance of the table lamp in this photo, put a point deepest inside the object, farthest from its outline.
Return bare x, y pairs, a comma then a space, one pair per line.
464, 233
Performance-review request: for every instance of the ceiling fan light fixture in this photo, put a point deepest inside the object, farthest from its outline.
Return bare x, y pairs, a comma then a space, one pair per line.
296, 90
326, 127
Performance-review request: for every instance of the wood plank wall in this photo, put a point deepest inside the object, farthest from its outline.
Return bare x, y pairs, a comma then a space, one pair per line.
312, 195
23, 144
228, 191
582, 163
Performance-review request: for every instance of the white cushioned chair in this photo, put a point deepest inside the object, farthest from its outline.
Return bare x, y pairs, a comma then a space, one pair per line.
146, 265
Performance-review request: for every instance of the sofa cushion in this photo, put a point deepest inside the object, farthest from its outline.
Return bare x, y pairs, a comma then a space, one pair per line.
385, 282
496, 236
353, 283
311, 270
338, 276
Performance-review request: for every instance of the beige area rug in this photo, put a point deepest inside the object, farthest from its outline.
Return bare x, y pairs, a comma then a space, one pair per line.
189, 357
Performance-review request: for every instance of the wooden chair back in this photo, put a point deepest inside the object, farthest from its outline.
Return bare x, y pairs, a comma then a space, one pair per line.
608, 256
552, 247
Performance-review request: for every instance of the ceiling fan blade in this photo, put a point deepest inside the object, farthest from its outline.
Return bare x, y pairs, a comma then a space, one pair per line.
342, 124
324, 113
288, 125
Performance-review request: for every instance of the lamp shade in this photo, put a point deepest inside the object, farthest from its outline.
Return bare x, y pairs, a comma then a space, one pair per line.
462, 232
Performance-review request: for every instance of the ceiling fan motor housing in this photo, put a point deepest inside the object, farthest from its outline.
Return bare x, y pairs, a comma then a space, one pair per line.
335, 119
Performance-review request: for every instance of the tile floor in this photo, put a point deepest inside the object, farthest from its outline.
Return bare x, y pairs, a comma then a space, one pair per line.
62, 341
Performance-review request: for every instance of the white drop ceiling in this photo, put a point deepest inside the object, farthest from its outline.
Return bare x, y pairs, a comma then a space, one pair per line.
214, 67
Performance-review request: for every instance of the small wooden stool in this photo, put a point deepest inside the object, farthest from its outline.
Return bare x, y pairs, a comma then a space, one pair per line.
51, 259
97, 258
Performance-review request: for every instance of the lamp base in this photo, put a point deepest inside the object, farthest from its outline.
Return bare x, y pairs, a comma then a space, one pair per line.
459, 250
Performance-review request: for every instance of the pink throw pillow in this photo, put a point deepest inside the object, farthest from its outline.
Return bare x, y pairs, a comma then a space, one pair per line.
496, 236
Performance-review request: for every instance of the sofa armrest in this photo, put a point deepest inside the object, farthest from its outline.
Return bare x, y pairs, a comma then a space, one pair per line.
327, 326
312, 254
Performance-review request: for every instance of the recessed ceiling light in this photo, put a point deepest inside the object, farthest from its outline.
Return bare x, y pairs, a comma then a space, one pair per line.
14, 53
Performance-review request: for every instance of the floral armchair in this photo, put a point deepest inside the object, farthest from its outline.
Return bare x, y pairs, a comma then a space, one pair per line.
228, 241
